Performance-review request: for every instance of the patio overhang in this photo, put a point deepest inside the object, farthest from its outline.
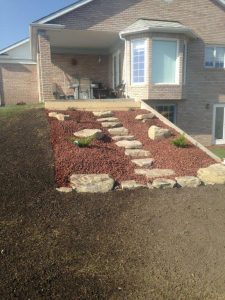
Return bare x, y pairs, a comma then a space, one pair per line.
69, 41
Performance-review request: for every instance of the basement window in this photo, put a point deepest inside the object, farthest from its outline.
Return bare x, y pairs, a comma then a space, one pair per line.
167, 110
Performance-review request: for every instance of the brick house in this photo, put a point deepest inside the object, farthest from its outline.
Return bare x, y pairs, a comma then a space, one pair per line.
169, 53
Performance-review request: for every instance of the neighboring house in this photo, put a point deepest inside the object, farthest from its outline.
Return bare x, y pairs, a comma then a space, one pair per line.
168, 52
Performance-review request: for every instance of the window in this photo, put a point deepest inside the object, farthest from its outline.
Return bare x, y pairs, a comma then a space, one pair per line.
215, 57
164, 62
167, 110
138, 61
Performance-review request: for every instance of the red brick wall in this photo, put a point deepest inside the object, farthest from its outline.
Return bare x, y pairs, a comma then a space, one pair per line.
18, 82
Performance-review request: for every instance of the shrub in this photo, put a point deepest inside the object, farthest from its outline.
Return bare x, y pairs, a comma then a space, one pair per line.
21, 103
82, 142
180, 142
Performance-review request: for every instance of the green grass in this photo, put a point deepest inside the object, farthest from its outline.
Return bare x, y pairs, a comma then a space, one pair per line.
11, 111
220, 152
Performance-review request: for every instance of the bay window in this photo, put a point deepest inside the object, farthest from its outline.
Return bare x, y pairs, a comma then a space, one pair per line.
138, 61
164, 61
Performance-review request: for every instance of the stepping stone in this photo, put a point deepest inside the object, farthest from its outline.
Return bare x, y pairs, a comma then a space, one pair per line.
143, 162
129, 144
154, 172
163, 183
188, 181
157, 133
111, 124
145, 116
118, 131
53, 114
118, 138
62, 117
86, 133
137, 153
131, 185
92, 183
103, 114
112, 119
214, 174
64, 190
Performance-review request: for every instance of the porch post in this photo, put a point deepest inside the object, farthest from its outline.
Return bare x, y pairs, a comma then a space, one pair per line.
44, 67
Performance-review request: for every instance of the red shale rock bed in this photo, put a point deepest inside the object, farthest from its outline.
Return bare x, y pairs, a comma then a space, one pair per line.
102, 156
184, 161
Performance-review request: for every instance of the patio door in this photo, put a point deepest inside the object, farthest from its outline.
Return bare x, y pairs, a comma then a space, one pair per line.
219, 124
116, 64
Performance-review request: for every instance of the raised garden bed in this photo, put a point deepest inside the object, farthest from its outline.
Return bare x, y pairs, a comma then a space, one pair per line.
104, 157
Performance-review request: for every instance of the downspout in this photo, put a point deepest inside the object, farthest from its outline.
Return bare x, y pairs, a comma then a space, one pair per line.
125, 68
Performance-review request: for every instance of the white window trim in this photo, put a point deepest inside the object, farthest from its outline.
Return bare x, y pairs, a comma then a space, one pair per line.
177, 82
213, 46
145, 63
214, 140
185, 59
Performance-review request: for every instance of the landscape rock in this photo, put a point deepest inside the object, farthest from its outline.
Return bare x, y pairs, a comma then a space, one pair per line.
64, 190
86, 133
118, 138
92, 183
157, 133
111, 124
143, 162
214, 174
52, 114
103, 114
188, 181
129, 144
163, 183
118, 131
62, 117
152, 173
111, 119
137, 153
131, 185
145, 116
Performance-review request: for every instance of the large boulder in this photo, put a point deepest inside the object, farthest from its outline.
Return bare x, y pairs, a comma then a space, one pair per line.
214, 174
118, 131
157, 133
129, 144
152, 173
143, 162
145, 116
92, 183
163, 183
137, 153
103, 114
188, 181
86, 133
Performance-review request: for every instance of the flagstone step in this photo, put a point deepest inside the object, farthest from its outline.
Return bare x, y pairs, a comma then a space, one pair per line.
152, 173
111, 119
118, 131
129, 144
111, 124
103, 114
143, 162
137, 153
118, 138
131, 185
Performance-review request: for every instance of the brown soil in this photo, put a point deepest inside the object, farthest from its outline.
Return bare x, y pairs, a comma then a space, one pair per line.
121, 245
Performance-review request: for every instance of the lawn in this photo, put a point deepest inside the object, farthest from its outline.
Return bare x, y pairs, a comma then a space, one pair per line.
145, 244
218, 150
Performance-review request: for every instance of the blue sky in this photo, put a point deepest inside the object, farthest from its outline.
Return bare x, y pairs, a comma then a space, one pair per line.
16, 15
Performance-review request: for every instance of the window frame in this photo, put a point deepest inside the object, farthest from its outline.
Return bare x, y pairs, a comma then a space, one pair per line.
132, 62
174, 105
177, 76
214, 60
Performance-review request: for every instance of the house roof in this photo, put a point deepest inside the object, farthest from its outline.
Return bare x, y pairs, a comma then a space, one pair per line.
15, 45
144, 25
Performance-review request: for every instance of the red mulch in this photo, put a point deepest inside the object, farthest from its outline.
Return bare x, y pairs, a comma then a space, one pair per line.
105, 157
184, 161
101, 157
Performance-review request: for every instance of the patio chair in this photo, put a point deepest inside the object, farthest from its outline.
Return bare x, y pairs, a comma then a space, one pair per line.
85, 88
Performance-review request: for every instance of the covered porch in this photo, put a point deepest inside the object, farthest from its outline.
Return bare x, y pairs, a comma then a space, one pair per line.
79, 65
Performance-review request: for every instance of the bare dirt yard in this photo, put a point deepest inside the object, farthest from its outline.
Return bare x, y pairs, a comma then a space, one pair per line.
145, 244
